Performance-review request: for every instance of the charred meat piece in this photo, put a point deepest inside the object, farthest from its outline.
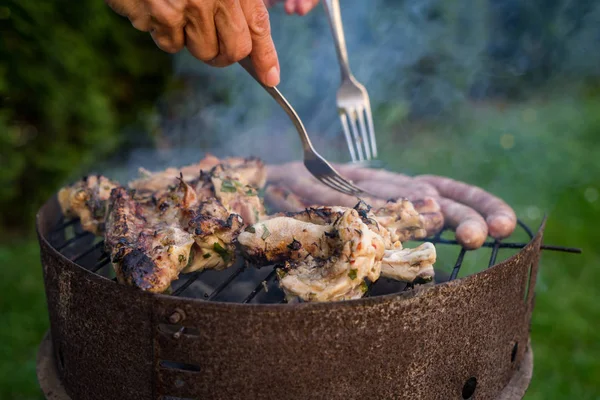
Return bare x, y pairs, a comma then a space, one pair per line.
88, 200
232, 188
409, 264
169, 224
402, 220
214, 231
152, 242
251, 171
146, 252
321, 262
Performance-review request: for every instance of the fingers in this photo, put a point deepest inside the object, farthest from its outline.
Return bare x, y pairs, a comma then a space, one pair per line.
125, 8
304, 6
264, 55
135, 10
300, 7
232, 32
200, 31
167, 21
290, 6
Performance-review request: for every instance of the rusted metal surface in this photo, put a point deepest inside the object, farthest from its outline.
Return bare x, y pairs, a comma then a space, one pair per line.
53, 389
47, 373
101, 331
426, 343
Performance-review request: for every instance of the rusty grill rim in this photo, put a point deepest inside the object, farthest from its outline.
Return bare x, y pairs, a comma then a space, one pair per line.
408, 293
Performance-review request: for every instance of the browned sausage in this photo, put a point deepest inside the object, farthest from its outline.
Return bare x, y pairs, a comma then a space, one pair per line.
500, 217
471, 229
280, 199
299, 181
410, 189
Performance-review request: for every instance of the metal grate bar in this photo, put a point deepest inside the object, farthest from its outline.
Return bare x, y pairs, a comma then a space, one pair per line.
502, 245
187, 283
88, 251
561, 248
260, 286
494, 253
458, 264
525, 228
73, 240
226, 282
101, 263
65, 225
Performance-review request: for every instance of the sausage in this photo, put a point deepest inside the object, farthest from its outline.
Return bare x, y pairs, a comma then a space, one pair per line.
362, 174
470, 227
500, 217
280, 199
410, 189
300, 182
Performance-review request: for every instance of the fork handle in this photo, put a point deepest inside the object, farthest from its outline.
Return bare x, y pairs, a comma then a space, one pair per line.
246, 63
332, 9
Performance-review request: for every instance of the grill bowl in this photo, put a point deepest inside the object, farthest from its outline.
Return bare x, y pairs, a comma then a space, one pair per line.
449, 340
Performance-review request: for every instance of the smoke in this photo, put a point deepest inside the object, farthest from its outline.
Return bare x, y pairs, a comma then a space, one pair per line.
425, 57
388, 42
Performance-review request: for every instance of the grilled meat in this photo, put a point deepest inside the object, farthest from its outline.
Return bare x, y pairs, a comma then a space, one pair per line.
251, 171
151, 242
166, 224
233, 188
214, 230
88, 200
409, 264
322, 262
323, 249
146, 252
189, 219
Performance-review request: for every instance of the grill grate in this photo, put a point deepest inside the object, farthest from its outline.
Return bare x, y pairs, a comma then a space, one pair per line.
243, 284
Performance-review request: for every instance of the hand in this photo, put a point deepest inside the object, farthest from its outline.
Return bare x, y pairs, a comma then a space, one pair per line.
217, 32
300, 7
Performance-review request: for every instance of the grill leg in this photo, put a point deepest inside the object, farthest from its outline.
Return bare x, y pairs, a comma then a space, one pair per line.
47, 374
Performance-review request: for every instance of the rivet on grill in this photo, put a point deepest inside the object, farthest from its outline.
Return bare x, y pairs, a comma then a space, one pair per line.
469, 388
177, 316
178, 334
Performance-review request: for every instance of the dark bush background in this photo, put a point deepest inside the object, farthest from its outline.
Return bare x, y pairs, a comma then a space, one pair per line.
72, 75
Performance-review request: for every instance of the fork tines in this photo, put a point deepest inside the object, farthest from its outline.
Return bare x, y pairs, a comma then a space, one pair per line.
360, 134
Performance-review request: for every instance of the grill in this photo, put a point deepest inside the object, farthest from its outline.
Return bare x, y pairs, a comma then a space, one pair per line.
245, 284
455, 338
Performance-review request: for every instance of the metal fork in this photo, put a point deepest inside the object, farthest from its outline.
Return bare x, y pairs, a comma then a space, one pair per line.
352, 97
314, 162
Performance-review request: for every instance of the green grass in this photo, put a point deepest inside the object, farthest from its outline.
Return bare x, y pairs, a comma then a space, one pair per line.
541, 156
24, 319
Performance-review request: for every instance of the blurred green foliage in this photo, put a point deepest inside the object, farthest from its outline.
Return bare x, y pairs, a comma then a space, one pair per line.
72, 73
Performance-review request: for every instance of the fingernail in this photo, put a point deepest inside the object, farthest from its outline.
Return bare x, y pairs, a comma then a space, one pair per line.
272, 78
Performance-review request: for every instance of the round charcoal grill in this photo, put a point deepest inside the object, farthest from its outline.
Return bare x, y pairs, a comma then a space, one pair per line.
457, 338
